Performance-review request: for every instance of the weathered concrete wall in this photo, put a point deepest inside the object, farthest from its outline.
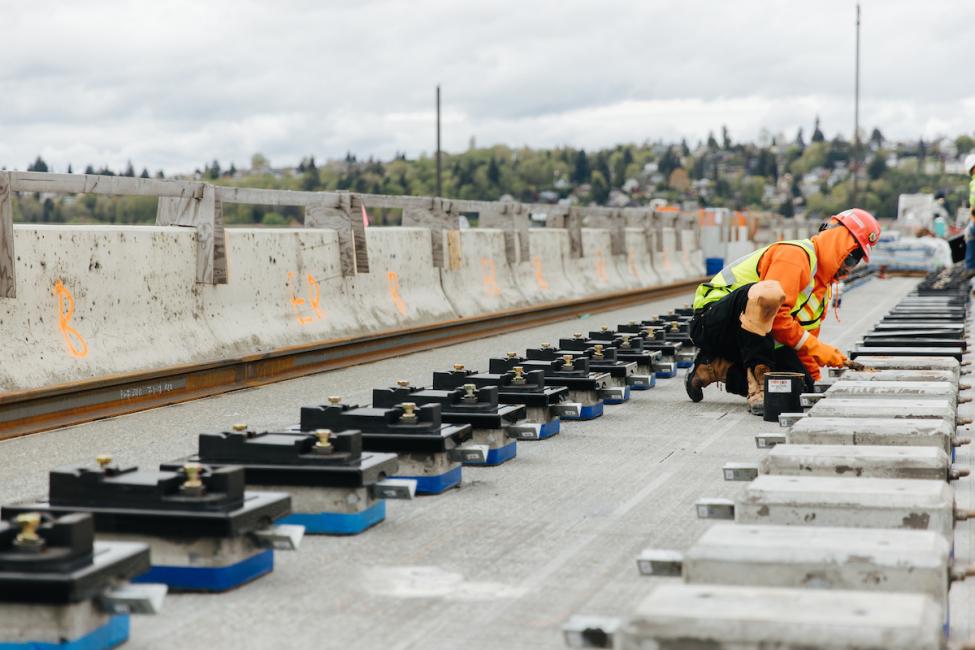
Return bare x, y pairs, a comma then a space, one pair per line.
94, 301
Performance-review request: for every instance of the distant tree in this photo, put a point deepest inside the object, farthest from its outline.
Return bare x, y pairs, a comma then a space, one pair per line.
725, 138
668, 162
922, 152
70, 171
212, 171
712, 143
494, 172
160, 174
89, 169
259, 162
787, 209
877, 166
37, 166
800, 140
599, 188
581, 170
145, 173
817, 135
964, 144
876, 138
684, 149
129, 170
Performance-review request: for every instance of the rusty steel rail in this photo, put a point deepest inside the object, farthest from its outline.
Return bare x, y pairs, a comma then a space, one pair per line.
34, 410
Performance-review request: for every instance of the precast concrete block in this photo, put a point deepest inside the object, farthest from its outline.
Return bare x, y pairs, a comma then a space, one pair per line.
875, 361
638, 260
861, 350
601, 264
871, 407
542, 276
944, 376
481, 281
897, 390
668, 264
859, 461
851, 502
723, 617
912, 432
883, 560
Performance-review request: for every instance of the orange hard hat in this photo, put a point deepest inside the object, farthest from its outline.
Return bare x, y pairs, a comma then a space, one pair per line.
862, 225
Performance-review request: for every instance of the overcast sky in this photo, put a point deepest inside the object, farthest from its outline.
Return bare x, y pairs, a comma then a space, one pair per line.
171, 84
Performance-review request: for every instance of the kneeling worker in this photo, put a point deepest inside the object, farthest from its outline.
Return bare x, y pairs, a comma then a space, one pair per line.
763, 312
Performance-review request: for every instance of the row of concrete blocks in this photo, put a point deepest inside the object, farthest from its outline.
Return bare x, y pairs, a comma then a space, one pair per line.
845, 502
286, 288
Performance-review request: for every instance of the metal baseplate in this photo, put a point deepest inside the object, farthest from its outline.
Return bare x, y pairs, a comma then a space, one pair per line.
591, 631
715, 508
660, 562
740, 471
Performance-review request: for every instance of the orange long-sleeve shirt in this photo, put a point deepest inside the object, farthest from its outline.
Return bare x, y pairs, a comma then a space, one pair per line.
790, 266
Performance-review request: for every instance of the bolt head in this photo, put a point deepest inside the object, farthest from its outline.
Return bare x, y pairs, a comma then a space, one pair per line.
103, 460
240, 427
458, 367
604, 328
403, 383
335, 399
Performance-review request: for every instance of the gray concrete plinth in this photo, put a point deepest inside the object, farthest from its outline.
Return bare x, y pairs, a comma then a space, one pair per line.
898, 390
857, 460
848, 407
897, 375
192, 551
881, 362
425, 464
719, 617
853, 502
821, 558
325, 499
873, 431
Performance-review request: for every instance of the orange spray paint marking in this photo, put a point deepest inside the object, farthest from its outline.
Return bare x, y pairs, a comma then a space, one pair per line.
77, 346
539, 275
490, 276
314, 296
601, 267
297, 303
400, 304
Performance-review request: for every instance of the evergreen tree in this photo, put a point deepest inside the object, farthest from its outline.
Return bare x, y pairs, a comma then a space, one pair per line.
129, 170
725, 138
89, 169
70, 171
37, 166
581, 170
145, 173
800, 140
494, 172
600, 188
876, 138
817, 135
684, 149
712, 143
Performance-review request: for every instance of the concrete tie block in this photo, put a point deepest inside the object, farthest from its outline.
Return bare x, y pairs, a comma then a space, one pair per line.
859, 461
875, 431
680, 616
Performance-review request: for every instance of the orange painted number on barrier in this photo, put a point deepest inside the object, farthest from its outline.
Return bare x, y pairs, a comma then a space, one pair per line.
490, 277
77, 346
601, 267
393, 278
307, 310
539, 274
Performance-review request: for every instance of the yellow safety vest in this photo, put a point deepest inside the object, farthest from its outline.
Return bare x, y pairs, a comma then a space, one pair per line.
808, 309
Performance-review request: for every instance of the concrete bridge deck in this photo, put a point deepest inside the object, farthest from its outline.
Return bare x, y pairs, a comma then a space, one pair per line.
501, 562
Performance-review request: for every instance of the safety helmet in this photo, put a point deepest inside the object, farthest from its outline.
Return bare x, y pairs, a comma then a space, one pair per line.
862, 225
969, 163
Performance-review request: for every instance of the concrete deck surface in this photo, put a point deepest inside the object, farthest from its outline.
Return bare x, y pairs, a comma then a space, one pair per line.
501, 562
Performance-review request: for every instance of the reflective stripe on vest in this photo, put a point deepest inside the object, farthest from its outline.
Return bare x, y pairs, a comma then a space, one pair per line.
808, 310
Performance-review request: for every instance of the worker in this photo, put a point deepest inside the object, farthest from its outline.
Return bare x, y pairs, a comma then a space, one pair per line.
763, 311
970, 230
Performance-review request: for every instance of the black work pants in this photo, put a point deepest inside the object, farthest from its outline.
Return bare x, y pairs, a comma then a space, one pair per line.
717, 333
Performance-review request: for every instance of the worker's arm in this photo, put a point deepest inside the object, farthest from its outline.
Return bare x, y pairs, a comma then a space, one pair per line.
789, 266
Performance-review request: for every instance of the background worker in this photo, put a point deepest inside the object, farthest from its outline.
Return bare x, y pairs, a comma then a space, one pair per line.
970, 230
763, 311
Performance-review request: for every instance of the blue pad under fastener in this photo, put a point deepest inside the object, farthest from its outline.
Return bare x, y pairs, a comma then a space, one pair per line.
549, 429
499, 455
588, 411
437, 483
338, 523
209, 578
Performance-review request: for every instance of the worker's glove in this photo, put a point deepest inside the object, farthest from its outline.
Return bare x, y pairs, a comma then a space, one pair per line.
823, 353
811, 366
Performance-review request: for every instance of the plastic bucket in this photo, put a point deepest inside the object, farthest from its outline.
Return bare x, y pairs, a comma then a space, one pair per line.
713, 265
782, 391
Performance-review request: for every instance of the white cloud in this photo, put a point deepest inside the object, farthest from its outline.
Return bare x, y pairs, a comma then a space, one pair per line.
175, 84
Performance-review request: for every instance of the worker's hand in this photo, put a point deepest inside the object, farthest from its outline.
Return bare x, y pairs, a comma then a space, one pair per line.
824, 354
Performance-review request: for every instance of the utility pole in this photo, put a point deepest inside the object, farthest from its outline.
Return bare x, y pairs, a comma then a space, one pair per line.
439, 182
856, 116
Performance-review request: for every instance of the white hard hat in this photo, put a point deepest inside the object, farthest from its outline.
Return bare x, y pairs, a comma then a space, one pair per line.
969, 163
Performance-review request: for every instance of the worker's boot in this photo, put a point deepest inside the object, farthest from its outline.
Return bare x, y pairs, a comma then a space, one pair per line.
756, 389
703, 374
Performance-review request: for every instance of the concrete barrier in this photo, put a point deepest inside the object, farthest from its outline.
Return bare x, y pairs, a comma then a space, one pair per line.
639, 258
670, 268
594, 272
101, 300
691, 255
543, 276
481, 280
